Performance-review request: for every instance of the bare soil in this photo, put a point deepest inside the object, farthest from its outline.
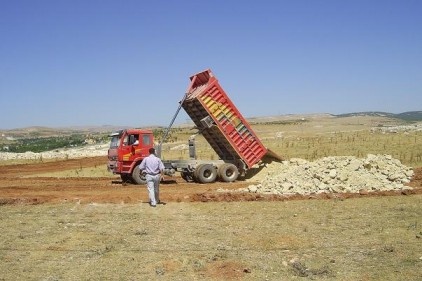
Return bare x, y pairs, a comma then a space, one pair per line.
19, 184
78, 229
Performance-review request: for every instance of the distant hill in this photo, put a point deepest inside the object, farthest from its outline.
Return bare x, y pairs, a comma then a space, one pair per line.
39, 131
410, 116
405, 116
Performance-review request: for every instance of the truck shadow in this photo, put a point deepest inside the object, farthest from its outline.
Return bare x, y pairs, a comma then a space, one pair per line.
168, 182
171, 181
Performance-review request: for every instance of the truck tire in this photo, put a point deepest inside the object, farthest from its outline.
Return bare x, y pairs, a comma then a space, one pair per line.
195, 172
228, 172
206, 173
137, 177
187, 176
126, 178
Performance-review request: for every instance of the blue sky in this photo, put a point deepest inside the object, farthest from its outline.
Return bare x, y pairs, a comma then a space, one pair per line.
77, 63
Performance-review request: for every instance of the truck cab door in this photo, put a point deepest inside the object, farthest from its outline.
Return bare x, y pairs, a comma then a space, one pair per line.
139, 144
146, 142
126, 148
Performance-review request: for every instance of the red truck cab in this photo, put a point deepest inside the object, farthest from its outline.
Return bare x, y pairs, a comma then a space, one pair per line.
127, 149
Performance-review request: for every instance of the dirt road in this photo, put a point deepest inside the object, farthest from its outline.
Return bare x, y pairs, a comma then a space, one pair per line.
17, 185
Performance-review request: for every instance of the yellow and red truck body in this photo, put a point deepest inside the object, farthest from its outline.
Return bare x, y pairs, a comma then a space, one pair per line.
220, 122
217, 119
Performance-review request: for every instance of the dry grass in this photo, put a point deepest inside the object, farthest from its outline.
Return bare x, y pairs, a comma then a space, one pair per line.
355, 239
322, 136
405, 147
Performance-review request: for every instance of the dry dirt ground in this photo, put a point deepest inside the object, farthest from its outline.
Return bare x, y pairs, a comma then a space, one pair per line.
17, 186
78, 229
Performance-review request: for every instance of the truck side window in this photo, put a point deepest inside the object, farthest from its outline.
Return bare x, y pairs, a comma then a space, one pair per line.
136, 141
146, 139
133, 139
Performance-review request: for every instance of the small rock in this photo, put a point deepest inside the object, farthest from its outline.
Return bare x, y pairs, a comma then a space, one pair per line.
253, 188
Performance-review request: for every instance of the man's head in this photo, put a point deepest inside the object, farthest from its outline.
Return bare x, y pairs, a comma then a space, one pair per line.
152, 150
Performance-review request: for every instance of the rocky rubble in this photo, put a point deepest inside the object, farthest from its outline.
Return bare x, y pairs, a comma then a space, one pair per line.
334, 174
71, 153
395, 129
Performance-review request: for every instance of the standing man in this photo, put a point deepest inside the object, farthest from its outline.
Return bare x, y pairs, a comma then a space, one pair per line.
152, 166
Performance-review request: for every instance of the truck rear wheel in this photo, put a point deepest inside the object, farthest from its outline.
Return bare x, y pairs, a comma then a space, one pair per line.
205, 173
137, 177
195, 172
228, 172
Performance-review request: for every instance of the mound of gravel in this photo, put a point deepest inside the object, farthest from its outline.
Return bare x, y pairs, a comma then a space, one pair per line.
334, 174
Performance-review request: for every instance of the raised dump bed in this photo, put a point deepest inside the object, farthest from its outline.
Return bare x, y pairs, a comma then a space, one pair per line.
220, 122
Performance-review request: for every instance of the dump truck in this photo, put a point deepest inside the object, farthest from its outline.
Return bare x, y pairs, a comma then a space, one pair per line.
220, 123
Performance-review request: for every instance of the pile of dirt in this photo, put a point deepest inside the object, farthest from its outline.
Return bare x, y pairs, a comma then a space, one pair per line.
336, 174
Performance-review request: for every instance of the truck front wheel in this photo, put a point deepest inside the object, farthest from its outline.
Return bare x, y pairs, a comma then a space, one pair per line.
126, 178
137, 177
187, 176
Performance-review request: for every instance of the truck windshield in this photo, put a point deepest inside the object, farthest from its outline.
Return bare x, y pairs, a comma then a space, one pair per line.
114, 141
